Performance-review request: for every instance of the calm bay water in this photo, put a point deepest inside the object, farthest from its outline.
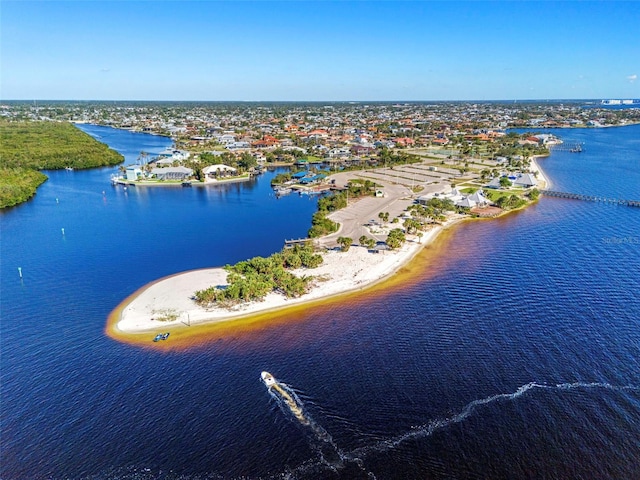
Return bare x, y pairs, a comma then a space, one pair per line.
514, 353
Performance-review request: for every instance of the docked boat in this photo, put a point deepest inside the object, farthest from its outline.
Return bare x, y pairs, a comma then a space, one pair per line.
282, 191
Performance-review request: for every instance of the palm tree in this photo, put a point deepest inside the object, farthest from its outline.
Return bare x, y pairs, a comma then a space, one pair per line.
345, 243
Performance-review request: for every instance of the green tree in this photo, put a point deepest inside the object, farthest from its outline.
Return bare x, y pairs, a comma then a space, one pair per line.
505, 182
345, 243
247, 161
396, 238
26, 147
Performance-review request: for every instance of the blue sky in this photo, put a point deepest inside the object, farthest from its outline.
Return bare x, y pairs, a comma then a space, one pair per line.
305, 50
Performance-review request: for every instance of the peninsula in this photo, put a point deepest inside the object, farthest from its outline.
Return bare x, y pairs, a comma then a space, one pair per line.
169, 303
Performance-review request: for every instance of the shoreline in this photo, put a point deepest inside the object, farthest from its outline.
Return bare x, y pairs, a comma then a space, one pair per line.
166, 305
340, 273
541, 177
137, 183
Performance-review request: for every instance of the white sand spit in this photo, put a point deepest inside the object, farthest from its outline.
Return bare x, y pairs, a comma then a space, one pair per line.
171, 297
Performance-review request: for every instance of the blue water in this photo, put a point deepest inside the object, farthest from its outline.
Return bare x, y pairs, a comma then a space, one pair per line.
515, 353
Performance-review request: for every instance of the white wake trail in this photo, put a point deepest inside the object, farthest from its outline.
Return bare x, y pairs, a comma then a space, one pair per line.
438, 424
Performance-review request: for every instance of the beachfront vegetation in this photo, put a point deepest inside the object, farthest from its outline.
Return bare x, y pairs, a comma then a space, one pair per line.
26, 147
165, 315
345, 243
320, 224
509, 202
253, 279
396, 238
534, 194
366, 241
412, 226
433, 211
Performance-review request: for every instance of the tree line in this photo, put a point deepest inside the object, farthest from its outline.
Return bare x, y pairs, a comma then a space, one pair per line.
26, 147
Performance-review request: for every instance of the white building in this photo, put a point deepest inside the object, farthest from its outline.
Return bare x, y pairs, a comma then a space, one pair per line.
218, 170
172, 173
133, 172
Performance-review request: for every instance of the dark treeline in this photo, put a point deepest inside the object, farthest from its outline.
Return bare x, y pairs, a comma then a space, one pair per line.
26, 147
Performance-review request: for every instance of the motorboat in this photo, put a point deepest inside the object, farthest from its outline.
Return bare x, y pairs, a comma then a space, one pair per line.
268, 379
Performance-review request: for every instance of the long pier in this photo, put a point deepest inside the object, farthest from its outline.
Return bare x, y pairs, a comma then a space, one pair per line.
591, 198
564, 147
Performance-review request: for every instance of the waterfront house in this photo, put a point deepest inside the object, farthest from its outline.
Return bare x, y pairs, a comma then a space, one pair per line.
172, 173
218, 170
133, 172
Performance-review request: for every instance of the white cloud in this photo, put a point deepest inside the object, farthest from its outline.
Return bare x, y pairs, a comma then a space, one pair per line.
632, 78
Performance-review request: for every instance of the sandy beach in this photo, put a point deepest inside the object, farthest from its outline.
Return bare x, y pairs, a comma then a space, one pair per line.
543, 181
341, 272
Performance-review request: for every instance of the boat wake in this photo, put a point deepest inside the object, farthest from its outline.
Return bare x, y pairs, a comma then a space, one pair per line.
423, 431
428, 429
319, 439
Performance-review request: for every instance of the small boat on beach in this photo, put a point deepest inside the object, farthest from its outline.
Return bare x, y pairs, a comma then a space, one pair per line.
161, 336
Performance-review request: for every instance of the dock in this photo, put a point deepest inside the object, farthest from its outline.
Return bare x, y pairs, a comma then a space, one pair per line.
564, 147
299, 241
591, 198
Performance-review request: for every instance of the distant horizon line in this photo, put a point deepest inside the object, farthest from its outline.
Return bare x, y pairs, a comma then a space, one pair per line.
597, 99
